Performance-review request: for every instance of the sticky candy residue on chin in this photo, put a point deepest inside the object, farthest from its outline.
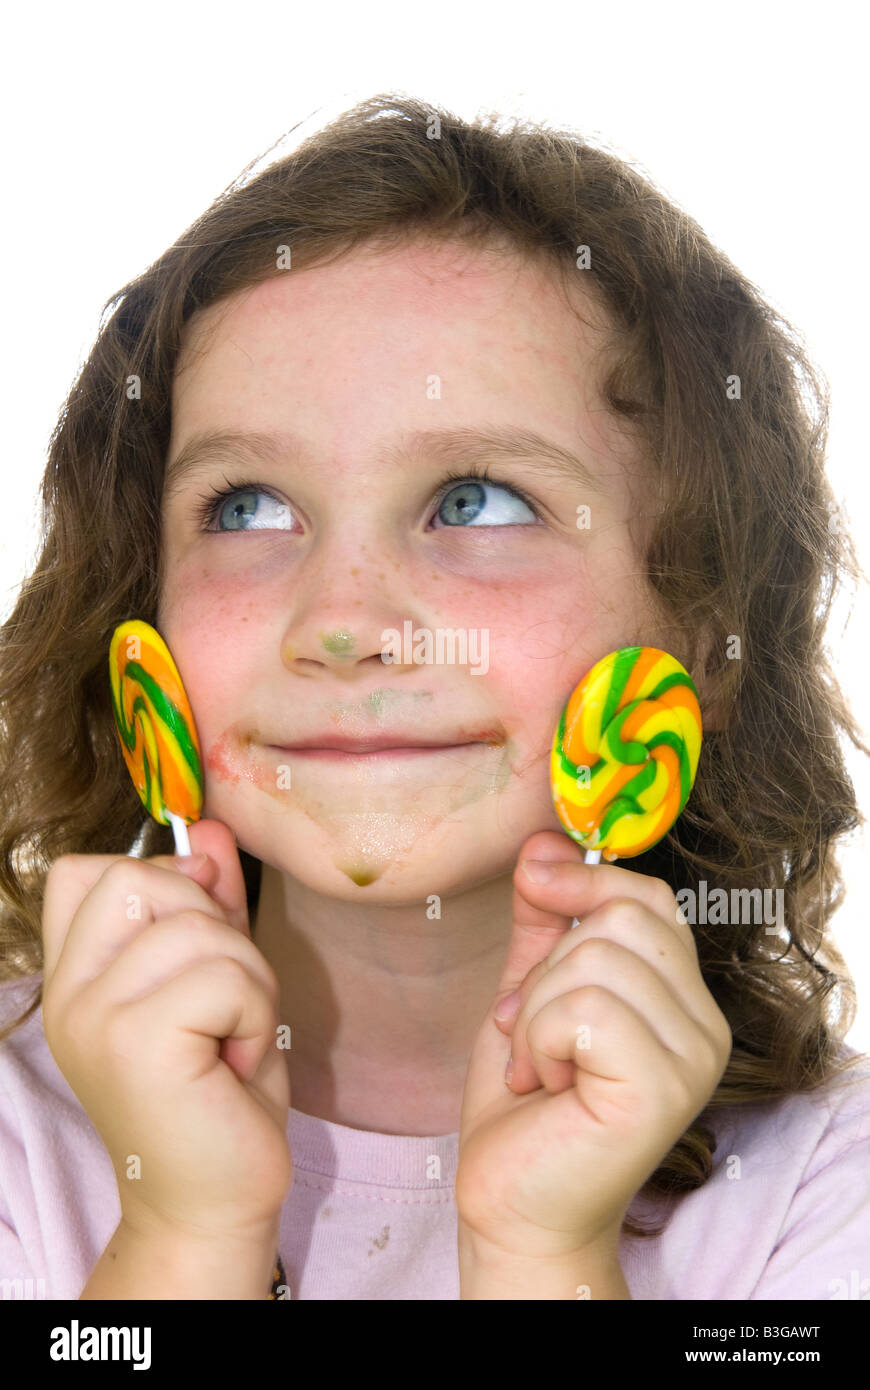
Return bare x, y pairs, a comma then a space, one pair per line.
365, 825
360, 876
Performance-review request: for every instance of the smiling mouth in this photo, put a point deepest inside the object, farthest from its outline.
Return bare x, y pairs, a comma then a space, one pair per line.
372, 754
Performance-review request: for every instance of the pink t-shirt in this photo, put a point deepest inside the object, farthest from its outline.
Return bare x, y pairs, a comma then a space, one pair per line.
785, 1214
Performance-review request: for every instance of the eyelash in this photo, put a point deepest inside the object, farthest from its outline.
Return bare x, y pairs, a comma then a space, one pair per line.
210, 503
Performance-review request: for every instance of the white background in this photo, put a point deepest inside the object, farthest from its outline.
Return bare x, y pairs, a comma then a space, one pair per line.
122, 123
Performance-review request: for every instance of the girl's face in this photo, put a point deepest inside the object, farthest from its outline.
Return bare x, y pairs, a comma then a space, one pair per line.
279, 607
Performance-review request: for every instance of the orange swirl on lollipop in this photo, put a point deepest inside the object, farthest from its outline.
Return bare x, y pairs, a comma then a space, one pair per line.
155, 725
626, 751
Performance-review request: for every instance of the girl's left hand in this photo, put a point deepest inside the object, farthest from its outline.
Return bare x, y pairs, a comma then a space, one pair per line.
617, 1046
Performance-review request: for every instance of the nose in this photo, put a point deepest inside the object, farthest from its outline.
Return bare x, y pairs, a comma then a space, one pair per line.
354, 587
318, 640
334, 648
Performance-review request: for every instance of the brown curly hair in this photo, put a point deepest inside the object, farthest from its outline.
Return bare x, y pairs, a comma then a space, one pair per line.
747, 543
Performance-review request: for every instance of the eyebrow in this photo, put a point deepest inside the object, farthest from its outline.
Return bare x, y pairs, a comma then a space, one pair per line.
450, 446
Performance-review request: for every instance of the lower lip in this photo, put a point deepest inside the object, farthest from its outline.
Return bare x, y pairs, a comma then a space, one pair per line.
379, 755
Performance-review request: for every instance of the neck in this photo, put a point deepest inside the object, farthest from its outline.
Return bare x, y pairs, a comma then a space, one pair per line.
383, 1002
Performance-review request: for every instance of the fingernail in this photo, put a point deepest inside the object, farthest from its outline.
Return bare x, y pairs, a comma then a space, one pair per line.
507, 1007
189, 863
538, 870
509, 1071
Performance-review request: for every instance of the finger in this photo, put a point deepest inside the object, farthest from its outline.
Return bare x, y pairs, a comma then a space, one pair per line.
534, 932
128, 896
608, 965
578, 889
215, 839
170, 946
211, 1000
69, 880
632, 924
543, 914
509, 1005
72, 876
622, 1073
657, 941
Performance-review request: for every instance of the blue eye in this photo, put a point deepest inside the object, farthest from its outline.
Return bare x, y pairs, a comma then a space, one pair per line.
248, 503
249, 507
467, 505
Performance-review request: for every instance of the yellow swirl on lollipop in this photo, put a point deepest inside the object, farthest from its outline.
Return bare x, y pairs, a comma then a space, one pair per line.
626, 751
156, 728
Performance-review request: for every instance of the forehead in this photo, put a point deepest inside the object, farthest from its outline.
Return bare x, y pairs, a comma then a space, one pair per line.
514, 299
342, 354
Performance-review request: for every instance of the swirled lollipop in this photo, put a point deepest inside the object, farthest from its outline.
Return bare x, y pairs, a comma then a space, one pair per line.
156, 728
625, 752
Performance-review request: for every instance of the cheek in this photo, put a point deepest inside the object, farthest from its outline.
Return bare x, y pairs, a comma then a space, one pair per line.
541, 627
538, 641
212, 632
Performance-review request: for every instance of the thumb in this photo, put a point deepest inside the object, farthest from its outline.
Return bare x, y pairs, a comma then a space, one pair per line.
535, 930
222, 879
534, 933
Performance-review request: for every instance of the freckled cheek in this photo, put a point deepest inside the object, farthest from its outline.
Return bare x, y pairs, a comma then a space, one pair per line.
539, 635
538, 652
216, 644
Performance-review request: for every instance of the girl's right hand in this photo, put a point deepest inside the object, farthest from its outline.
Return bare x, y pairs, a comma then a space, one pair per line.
162, 1015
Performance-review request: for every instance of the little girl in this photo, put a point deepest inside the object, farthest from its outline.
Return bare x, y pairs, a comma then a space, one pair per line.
430, 377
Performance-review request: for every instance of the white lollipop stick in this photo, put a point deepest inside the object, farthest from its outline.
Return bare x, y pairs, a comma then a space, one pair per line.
179, 830
593, 856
